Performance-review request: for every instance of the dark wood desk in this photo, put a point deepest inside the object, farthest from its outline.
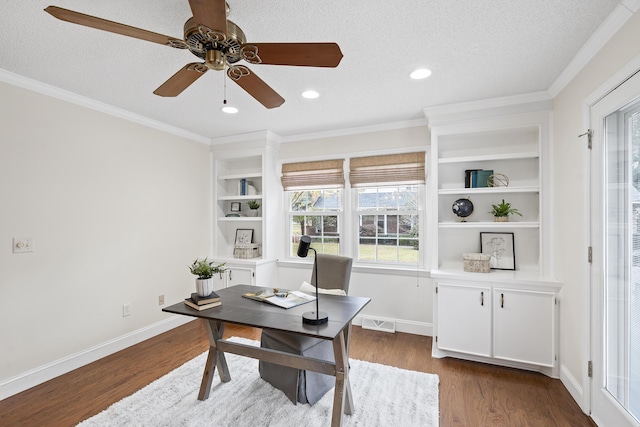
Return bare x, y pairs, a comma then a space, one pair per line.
244, 311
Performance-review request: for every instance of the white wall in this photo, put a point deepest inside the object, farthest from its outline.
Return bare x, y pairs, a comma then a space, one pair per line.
116, 211
570, 159
401, 295
417, 137
405, 297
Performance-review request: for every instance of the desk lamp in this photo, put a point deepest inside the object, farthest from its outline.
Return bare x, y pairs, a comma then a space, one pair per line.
312, 317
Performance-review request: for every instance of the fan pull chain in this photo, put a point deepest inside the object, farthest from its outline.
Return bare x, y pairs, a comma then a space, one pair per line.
225, 89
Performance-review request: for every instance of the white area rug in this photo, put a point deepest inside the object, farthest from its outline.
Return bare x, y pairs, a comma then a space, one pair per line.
383, 396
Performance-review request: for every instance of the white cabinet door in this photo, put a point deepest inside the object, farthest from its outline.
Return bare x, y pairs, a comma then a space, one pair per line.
464, 319
239, 276
523, 326
219, 281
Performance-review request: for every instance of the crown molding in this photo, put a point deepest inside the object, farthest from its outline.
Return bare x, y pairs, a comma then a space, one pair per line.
516, 104
632, 5
64, 95
611, 25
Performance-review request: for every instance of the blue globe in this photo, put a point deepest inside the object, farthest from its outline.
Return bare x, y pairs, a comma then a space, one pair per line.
462, 208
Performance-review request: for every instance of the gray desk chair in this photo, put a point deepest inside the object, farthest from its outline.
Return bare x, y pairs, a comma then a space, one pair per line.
334, 272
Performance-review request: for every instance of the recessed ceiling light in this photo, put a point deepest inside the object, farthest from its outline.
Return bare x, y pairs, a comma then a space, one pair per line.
420, 73
310, 94
229, 110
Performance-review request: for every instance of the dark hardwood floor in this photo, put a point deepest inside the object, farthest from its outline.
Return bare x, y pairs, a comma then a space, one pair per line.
471, 394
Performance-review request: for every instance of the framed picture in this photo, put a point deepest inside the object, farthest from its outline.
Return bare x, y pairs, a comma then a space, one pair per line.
501, 248
235, 206
244, 236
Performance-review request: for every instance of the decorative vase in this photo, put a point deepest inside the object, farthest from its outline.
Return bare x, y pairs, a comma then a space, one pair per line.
204, 287
501, 218
252, 212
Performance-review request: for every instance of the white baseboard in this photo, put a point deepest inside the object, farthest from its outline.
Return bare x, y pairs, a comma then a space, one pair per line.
574, 388
44, 373
407, 326
39, 375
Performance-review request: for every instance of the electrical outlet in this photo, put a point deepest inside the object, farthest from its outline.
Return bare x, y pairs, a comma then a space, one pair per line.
22, 245
160, 299
126, 310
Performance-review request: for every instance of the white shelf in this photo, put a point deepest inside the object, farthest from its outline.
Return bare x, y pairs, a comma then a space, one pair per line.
240, 176
234, 198
240, 219
489, 157
489, 190
489, 224
521, 277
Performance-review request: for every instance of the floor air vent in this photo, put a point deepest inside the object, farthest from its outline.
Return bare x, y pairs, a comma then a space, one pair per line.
384, 325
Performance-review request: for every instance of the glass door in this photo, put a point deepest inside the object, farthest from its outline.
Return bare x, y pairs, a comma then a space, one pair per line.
615, 388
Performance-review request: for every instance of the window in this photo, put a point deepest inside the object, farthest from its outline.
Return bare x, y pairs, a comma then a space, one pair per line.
387, 190
314, 194
381, 213
315, 213
388, 224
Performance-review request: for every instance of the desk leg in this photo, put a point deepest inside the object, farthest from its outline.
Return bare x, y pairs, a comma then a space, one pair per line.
342, 399
215, 330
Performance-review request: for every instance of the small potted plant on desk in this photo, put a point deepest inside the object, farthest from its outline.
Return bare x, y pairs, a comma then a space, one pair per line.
501, 211
253, 207
205, 270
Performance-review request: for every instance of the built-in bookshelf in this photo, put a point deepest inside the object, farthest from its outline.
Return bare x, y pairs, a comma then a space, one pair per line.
510, 146
483, 316
232, 180
244, 172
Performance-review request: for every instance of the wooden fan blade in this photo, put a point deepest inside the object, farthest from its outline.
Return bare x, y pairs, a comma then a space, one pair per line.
300, 54
255, 86
181, 80
110, 26
210, 13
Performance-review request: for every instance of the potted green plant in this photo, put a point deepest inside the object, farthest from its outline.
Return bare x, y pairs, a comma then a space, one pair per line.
253, 207
205, 270
501, 211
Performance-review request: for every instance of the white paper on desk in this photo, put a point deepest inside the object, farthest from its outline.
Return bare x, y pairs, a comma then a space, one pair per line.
293, 299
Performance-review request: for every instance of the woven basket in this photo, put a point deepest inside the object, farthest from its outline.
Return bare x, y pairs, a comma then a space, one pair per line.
253, 250
476, 263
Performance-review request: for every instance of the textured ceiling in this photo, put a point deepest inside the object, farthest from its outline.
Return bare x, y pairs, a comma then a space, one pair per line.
477, 49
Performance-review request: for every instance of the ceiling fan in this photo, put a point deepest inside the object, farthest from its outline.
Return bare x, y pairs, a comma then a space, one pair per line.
221, 43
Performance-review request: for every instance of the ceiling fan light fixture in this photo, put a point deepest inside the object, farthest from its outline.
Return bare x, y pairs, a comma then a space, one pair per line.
215, 60
229, 109
420, 73
210, 36
310, 94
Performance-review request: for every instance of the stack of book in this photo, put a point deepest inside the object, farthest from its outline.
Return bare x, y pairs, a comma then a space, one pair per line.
202, 303
476, 178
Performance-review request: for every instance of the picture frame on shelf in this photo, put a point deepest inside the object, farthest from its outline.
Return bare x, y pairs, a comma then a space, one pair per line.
236, 207
244, 236
501, 248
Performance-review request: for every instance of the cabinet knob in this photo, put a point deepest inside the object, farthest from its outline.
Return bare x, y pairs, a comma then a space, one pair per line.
482, 298
501, 300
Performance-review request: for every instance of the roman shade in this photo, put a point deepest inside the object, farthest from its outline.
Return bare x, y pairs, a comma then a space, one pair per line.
310, 175
392, 169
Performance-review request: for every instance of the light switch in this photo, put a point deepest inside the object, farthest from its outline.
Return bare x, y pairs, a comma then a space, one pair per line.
22, 245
